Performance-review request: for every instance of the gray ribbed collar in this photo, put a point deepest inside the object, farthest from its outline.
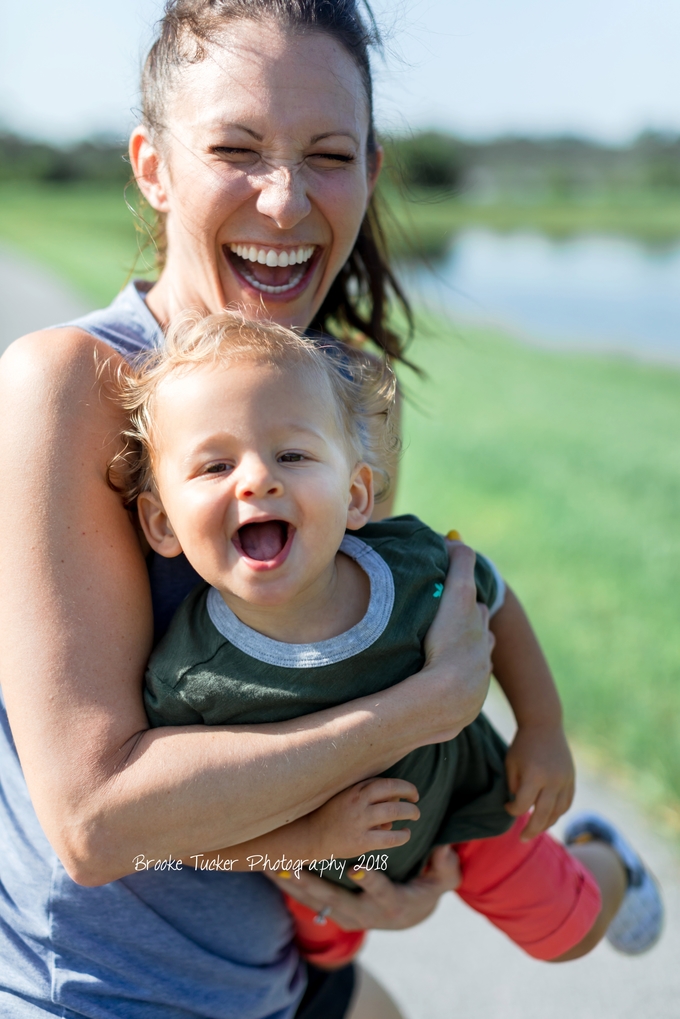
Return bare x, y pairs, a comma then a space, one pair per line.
325, 652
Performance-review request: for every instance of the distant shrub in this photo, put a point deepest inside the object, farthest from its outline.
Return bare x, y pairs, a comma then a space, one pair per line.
430, 160
24, 160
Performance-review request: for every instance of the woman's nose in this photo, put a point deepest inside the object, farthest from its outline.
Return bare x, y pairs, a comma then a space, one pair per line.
255, 481
283, 197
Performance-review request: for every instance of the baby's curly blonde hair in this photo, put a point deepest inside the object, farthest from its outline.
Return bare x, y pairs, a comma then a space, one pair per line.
363, 386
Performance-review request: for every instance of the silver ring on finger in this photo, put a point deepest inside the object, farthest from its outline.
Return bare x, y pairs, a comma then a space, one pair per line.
320, 917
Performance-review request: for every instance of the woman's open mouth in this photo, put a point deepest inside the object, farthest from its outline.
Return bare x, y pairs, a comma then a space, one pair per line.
273, 271
265, 544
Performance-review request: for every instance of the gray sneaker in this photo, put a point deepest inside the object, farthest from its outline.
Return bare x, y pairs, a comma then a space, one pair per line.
638, 924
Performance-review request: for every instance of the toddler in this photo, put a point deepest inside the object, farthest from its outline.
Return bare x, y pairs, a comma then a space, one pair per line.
259, 453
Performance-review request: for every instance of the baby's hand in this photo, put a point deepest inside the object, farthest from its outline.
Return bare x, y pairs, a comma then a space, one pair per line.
540, 774
359, 819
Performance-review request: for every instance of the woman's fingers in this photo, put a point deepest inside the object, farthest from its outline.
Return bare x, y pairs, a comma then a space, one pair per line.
382, 904
459, 643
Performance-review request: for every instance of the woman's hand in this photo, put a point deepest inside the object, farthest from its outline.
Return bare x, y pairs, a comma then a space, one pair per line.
383, 905
458, 646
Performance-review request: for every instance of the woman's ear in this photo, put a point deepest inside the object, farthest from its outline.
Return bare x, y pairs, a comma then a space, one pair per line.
156, 525
146, 164
361, 498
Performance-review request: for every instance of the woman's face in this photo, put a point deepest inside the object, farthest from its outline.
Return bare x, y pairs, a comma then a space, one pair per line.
263, 172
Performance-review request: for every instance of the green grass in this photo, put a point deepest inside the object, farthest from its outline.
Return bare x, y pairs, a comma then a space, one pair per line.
85, 233
566, 470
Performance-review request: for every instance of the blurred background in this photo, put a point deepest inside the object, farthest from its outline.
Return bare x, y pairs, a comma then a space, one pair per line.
532, 203
532, 196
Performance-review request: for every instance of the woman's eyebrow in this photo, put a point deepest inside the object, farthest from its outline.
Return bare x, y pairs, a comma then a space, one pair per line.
334, 134
248, 130
316, 138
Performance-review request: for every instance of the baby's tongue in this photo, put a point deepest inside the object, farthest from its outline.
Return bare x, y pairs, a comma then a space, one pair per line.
263, 541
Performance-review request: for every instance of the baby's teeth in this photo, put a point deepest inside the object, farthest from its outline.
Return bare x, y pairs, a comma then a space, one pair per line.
282, 259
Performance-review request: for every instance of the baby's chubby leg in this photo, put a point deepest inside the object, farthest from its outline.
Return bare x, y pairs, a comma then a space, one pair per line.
610, 877
557, 902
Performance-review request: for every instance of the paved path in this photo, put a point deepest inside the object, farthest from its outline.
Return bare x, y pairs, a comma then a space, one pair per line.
455, 964
31, 298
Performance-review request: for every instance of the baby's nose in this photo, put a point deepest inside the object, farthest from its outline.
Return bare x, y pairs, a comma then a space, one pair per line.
256, 481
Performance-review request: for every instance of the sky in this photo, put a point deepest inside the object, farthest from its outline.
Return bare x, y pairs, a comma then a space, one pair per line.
603, 68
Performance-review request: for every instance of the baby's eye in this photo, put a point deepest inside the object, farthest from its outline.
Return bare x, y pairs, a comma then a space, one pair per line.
291, 458
219, 468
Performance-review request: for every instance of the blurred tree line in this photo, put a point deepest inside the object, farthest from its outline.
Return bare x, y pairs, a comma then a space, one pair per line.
532, 169
429, 162
101, 162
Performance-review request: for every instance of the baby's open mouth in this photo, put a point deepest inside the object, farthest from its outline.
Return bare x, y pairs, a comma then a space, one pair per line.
263, 541
270, 270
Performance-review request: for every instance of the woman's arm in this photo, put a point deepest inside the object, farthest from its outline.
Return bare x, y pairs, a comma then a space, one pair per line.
75, 632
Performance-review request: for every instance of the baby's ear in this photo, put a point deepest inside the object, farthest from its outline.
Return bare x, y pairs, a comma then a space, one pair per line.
361, 498
156, 525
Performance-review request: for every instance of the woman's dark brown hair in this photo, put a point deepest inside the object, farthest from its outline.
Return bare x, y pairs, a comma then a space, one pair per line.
360, 297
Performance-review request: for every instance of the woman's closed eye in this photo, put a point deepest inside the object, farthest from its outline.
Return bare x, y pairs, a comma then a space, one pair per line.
330, 159
242, 157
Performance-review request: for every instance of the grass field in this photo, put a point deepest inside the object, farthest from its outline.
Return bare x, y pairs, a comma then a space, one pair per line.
564, 468
85, 233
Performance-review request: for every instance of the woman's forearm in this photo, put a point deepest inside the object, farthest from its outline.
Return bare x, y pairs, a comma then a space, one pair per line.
203, 788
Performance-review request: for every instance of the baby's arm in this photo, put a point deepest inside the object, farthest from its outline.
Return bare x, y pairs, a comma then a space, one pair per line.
355, 821
539, 767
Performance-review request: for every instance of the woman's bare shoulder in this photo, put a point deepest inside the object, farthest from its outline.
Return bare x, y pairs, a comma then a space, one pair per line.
66, 349
63, 376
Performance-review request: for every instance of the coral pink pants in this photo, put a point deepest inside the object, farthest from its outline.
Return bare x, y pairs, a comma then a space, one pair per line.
535, 892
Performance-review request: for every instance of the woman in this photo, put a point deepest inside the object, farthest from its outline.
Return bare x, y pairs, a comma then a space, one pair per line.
258, 153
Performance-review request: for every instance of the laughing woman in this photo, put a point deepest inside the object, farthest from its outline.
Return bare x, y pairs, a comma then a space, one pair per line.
257, 152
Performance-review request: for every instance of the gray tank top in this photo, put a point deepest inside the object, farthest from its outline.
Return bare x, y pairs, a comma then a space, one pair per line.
157, 944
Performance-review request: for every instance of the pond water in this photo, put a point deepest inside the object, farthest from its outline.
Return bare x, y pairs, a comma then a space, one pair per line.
588, 291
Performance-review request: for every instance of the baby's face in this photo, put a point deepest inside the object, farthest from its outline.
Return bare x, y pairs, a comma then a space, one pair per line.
256, 481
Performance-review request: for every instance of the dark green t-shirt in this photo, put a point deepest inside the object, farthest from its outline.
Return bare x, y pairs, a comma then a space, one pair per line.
210, 668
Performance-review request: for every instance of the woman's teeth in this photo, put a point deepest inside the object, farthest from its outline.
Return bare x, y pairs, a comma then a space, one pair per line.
273, 261
270, 257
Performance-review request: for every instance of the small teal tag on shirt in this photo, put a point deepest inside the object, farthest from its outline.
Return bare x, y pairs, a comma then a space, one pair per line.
438, 590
